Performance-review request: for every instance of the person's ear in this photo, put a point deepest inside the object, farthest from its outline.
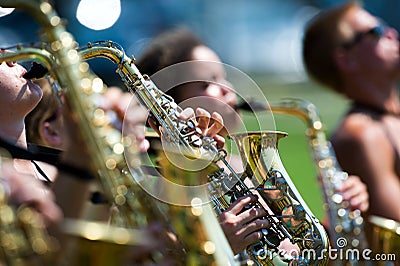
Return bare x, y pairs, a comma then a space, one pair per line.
51, 135
344, 60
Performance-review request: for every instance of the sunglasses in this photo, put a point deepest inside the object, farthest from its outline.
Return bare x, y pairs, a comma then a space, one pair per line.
374, 33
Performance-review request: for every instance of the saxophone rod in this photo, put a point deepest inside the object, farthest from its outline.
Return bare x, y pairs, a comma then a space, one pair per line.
284, 106
252, 105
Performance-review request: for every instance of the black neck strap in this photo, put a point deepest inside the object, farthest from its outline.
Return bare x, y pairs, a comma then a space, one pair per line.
47, 157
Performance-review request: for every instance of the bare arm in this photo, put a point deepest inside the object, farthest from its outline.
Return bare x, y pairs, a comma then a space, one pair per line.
363, 149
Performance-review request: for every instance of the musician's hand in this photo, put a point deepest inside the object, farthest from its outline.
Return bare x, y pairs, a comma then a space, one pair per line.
355, 192
211, 125
242, 228
26, 189
130, 116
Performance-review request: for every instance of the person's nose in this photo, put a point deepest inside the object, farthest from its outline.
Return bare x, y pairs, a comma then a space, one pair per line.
223, 91
215, 90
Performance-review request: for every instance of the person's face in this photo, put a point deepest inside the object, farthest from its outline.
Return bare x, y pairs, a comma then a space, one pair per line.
18, 95
212, 91
375, 52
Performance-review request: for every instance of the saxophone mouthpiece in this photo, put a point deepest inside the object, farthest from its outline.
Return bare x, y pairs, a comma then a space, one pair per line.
252, 105
37, 71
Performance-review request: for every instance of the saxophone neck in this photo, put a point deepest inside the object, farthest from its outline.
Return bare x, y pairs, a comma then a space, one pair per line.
300, 108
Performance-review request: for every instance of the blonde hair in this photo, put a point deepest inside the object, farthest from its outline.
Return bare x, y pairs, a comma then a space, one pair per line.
323, 35
48, 107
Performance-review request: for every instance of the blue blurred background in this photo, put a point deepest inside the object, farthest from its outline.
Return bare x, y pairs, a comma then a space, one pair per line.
260, 37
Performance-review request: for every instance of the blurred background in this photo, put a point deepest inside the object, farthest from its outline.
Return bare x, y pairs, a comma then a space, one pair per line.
262, 38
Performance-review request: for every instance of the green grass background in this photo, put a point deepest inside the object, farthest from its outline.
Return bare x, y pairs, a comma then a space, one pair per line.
294, 150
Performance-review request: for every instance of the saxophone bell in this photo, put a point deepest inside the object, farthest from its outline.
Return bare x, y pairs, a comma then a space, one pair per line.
289, 216
345, 223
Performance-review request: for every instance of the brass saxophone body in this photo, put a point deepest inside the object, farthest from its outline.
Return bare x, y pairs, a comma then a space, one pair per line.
305, 229
104, 143
289, 216
346, 229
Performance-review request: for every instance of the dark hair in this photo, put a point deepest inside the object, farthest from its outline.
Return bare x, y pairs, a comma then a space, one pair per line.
323, 34
168, 48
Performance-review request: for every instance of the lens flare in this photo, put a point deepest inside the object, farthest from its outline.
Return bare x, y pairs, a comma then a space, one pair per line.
98, 14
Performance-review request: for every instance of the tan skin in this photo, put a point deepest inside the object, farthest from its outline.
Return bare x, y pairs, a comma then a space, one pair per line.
370, 71
19, 97
242, 228
214, 93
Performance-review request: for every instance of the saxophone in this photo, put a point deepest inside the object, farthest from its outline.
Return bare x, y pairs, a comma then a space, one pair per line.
290, 218
346, 228
195, 222
105, 145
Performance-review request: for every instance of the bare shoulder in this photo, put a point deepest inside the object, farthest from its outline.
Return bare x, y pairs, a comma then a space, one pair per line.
358, 129
361, 145
360, 139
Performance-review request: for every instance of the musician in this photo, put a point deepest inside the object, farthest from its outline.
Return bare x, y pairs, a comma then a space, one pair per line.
19, 97
20, 177
356, 55
241, 228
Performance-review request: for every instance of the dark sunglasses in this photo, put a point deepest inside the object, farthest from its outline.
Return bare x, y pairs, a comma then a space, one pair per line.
375, 33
